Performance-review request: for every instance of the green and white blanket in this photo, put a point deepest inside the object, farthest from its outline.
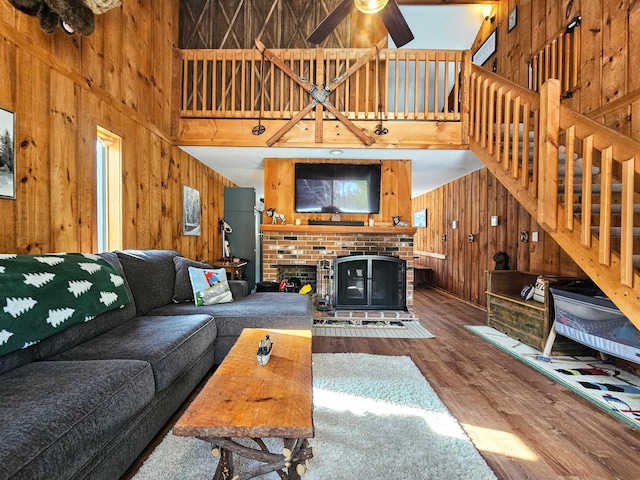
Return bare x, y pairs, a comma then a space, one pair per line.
41, 295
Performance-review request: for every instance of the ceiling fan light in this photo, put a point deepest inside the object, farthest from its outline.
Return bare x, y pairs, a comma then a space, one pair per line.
370, 6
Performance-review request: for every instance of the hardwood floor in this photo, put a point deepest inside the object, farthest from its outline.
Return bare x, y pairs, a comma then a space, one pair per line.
523, 424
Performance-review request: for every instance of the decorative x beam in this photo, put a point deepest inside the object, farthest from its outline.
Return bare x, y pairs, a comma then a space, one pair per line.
320, 96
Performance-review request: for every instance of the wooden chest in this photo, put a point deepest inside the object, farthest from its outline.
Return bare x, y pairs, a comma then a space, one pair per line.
529, 321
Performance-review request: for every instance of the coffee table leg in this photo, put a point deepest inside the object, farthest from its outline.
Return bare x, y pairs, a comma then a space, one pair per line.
300, 460
291, 464
225, 465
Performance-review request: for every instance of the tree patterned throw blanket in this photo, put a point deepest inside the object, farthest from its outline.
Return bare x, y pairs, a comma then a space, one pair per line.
41, 295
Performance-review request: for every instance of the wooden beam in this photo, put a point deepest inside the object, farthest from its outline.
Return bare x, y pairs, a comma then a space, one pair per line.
237, 133
335, 83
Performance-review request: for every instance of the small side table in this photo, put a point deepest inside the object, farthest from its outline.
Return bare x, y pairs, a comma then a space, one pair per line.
235, 270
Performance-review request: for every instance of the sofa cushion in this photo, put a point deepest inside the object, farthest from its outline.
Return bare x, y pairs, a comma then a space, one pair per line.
258, 310
151, 275
239, 288
169, 344
182, 291
56, 415
210, 286
112, 258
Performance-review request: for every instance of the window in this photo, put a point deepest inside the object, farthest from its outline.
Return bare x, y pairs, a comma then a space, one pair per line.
109, 191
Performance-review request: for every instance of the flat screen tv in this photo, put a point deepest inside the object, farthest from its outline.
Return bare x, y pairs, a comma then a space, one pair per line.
337, 187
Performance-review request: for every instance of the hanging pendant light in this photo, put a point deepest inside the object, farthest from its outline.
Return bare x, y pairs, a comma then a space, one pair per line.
370, 6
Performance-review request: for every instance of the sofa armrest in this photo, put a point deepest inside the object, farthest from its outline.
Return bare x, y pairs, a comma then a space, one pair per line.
239, 288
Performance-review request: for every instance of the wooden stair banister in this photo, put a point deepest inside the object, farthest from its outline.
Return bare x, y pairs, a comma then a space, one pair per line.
505, 119
548, 141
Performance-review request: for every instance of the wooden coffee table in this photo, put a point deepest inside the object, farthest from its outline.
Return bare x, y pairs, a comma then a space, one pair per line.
245, 400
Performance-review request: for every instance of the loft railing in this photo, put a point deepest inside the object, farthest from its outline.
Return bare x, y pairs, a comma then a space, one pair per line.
559, 165
391, 85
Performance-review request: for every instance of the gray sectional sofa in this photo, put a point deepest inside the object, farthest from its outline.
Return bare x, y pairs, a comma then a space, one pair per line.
85, 402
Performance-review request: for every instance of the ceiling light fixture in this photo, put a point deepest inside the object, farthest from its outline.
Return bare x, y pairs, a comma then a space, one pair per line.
335, 152
370, 6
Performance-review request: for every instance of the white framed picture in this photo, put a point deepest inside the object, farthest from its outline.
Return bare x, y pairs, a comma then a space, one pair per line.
7, 154
488, 48
191, 211
420, 218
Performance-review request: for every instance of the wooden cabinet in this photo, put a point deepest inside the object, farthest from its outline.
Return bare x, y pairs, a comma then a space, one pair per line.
526, 320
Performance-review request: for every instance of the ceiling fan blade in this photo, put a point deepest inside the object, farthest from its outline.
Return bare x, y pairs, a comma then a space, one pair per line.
396, 24
330, 22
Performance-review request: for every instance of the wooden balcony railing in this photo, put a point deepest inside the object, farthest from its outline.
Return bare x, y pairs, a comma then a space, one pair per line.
392, 85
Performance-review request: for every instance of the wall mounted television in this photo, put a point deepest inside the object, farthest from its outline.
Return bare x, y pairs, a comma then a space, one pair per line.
337, 187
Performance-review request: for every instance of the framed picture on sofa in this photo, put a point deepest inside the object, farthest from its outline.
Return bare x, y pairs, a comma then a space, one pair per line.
7, 154
191, 212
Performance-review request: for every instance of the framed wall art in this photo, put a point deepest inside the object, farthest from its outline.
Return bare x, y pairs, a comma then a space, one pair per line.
420, 218
191, 211
512, 19
7, 154
488, 48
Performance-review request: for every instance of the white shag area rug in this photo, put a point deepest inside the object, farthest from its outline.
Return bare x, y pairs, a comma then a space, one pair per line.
376, 417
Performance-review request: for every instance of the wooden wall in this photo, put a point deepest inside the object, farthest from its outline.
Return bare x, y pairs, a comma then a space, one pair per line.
459, 265
61, 88
235, 24
395, 190
609, 65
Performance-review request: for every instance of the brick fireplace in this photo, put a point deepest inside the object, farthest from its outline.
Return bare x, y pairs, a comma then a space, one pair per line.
285, 247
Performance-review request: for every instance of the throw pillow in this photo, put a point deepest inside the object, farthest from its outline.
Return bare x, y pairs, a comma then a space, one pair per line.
151, 276
182, 291
210, 286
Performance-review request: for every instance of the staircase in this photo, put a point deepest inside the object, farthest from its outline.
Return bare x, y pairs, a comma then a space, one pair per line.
578, 179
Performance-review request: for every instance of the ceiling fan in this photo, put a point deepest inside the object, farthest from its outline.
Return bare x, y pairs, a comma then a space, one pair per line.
391, 17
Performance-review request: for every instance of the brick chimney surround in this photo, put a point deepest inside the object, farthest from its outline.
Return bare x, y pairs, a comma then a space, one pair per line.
287, 246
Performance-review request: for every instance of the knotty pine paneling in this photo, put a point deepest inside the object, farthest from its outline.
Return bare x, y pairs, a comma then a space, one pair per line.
395, 190
609, 70
459, 265
61, 88
33, 228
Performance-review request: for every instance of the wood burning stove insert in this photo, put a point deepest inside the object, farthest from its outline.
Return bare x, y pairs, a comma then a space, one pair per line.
370, 282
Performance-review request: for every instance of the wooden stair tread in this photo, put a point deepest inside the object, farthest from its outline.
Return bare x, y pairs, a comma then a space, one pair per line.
616, 231
616, 208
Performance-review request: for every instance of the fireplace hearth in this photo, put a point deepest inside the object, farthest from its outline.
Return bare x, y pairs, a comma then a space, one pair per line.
370, 282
